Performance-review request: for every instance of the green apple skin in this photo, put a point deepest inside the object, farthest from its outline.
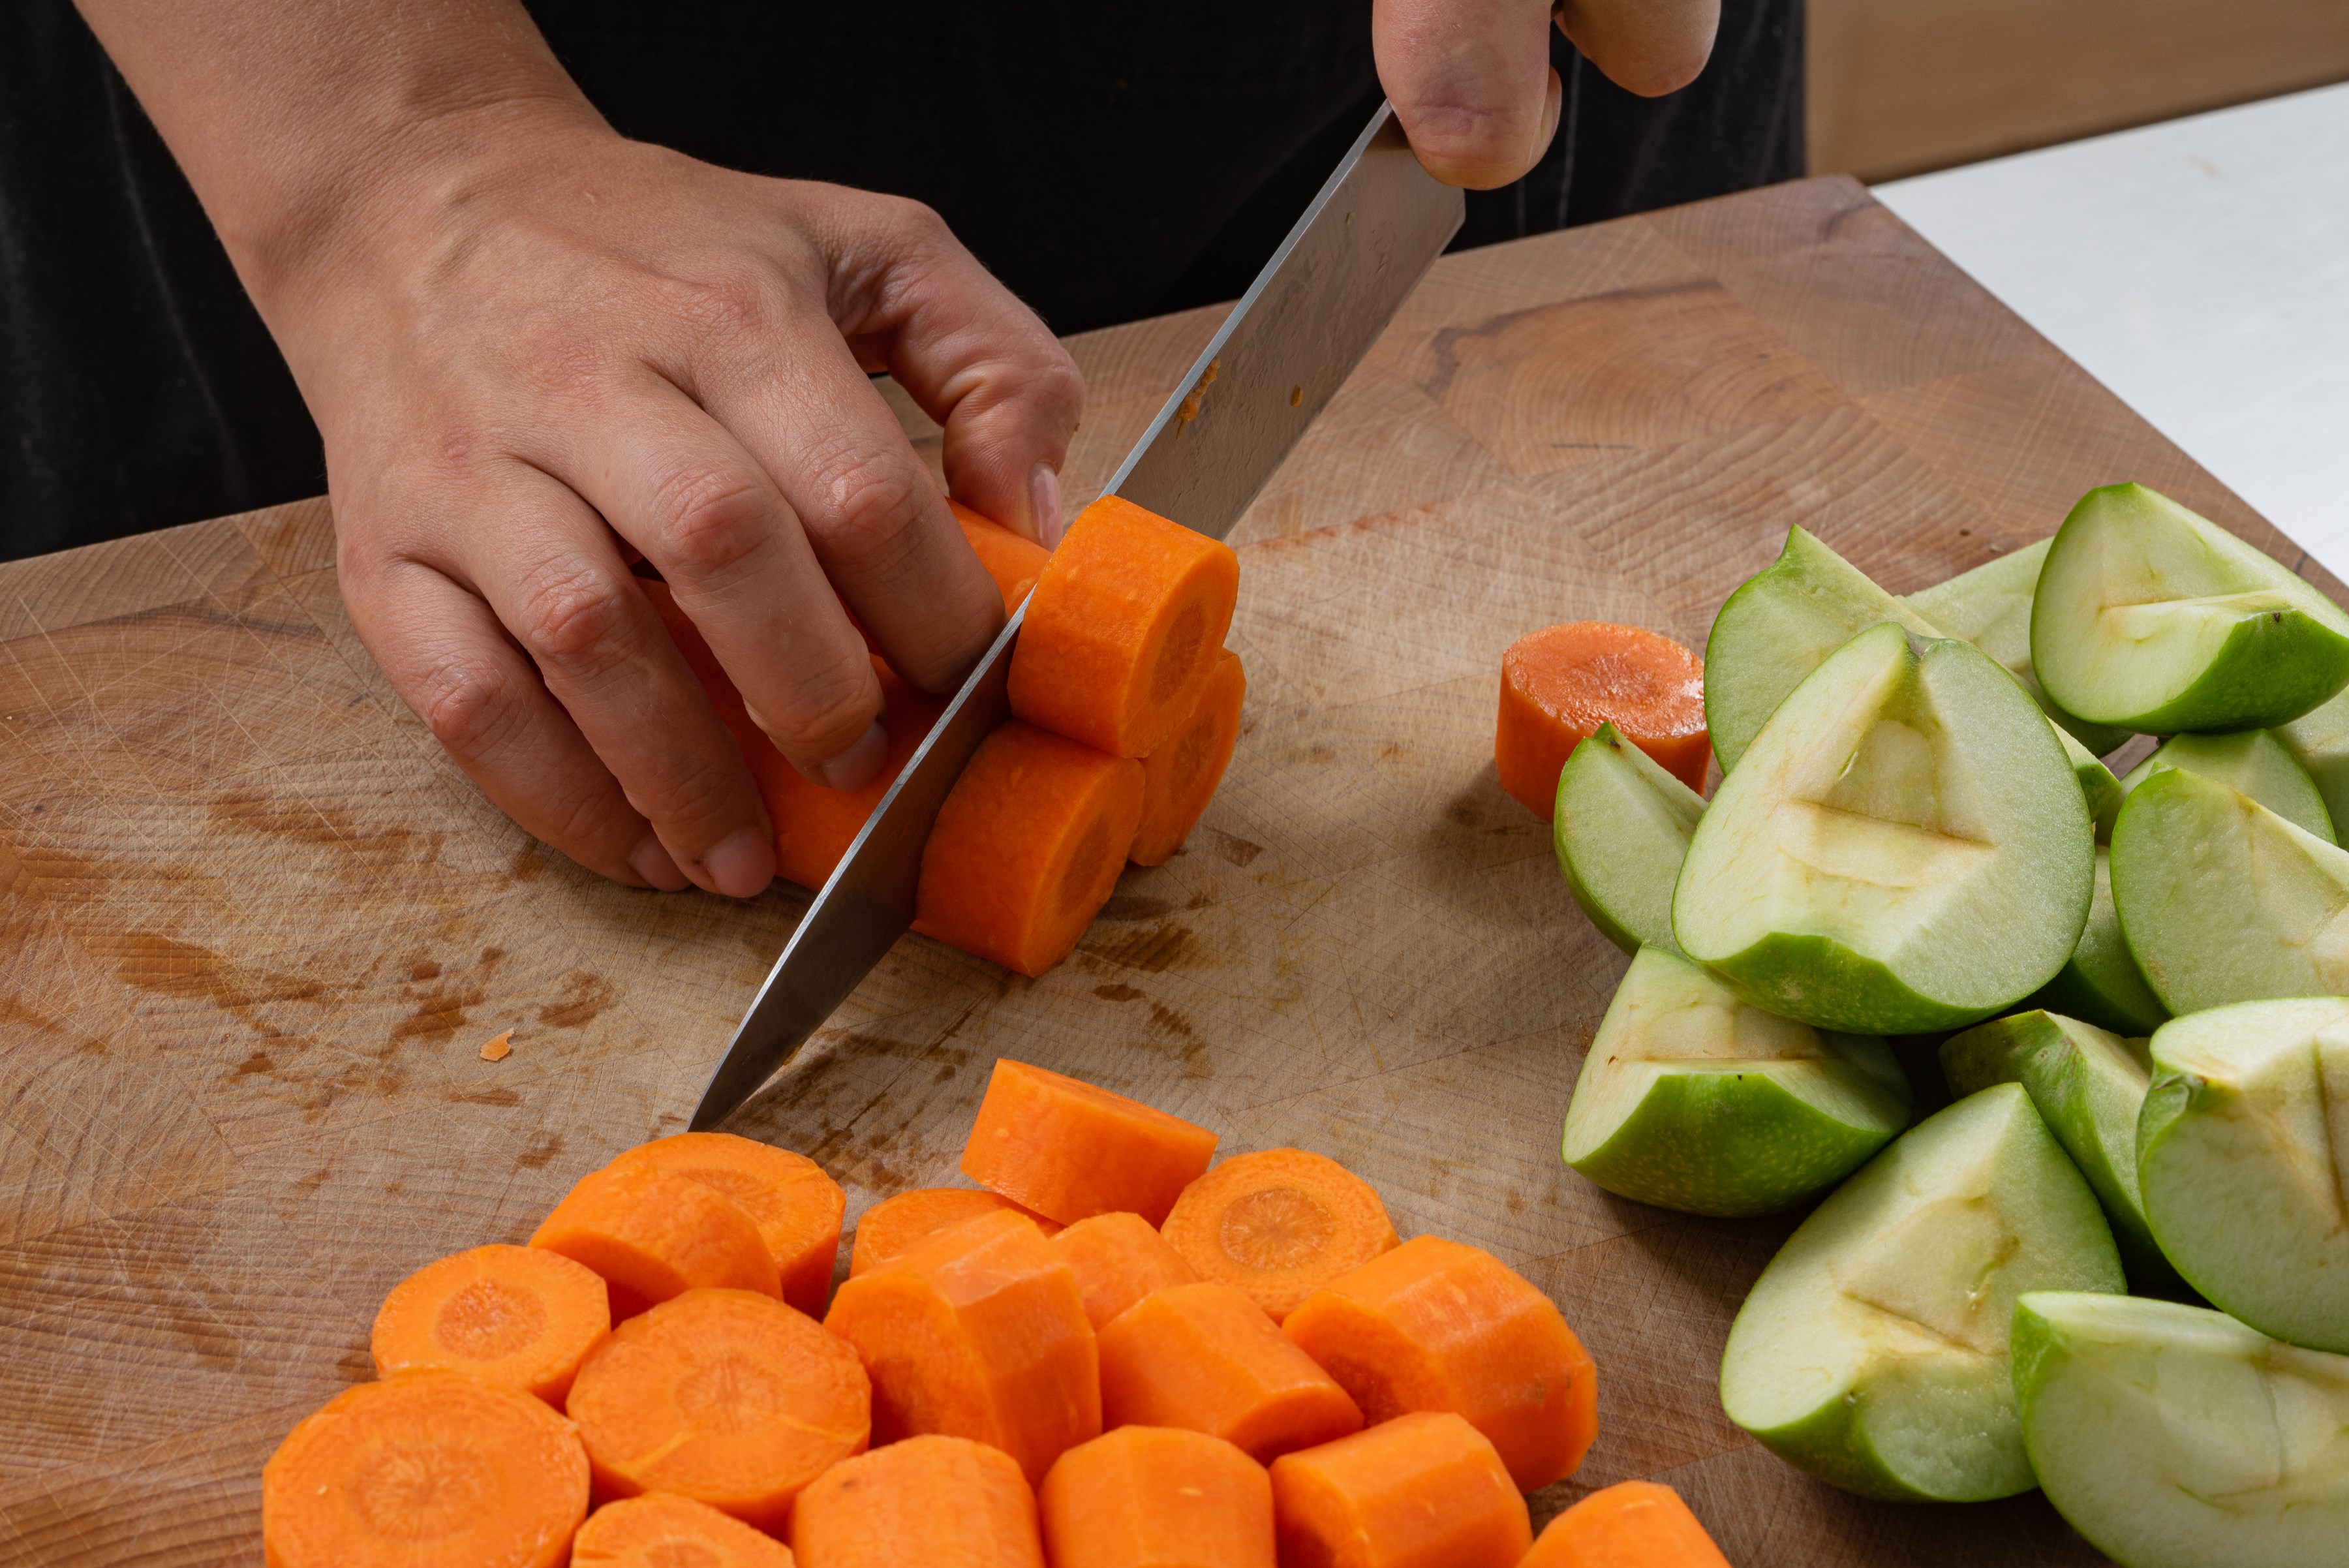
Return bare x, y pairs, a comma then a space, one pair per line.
2100, 982
2221, 900
2088, 1086
2254, 761
1872, 1352
2151, 619
1690, 1099
2173, 1437
2319, 740
1621, 826
2102, 791
1990, 607
2243, 1152
1900, 851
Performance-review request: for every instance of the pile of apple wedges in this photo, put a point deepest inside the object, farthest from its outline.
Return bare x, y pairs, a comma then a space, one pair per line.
2138, 986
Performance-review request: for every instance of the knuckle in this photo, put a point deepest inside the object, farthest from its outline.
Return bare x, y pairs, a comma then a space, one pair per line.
469, 704
713, 518
730, 304
868, 506
573, 618
829, 711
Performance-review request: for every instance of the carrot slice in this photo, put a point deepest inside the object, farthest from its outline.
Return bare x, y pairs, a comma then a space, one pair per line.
433, 1469
1069, 1150
1119, 1259
1278, 1224
652, 1235
795, 1205
1027, 847
664, 1531
521, 1316
895, 1226
1437, 1325
727, 1397
1419, 1492
1146, 1497
1632, 1525
1013, 562
1559, 684
935, 1501
1205, 1358
1179, 777
980, 1333
1122, 628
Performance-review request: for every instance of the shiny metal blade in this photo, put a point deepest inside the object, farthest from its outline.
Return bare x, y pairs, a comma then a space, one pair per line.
1371, 235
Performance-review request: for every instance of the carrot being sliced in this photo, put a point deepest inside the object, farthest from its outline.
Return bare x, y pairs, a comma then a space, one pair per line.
653, 1235
925, 1502
1438, 1325
1559, 684
522, 1316
725, 1396
1122, 628
1179, 777
1205, 1358
1632, 1525
1069, 1150
979, 1334
1148, 1497
661, 1531
1278, 1224
1012, 561
1119, 1259
895, 1226
1418, 1491
431, 1469
1027, 847
795, 1205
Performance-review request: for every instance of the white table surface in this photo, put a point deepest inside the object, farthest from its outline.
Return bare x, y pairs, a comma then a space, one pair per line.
2200, 269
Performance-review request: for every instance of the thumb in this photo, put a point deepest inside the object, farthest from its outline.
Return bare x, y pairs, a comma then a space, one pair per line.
1471, 82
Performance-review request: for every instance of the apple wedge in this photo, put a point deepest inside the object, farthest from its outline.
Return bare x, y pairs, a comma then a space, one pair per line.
2319, 740
2173, 1437
2151, 619
1901, 850
1990, 607
2252, 761
1691, 1099
1872, 1352
1621, 826
2221, 900
2243, 1158
2100, 982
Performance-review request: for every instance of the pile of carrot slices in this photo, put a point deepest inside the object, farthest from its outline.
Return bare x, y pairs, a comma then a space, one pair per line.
1115, 1352
1125, 707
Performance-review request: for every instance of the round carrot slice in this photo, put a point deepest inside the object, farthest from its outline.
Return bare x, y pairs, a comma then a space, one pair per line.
1632, 1525
930, 1501
518, 1315
653, 1235
1179, 778
895, 1226
1073, 1149
1014, 562
1415, 1490
1559, 684
1278, 1224
658, 1530
1143, 1497
1204, 1358
795, 1205
1119, 1259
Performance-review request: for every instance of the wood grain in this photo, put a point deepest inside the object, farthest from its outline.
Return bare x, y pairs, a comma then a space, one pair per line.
256, 927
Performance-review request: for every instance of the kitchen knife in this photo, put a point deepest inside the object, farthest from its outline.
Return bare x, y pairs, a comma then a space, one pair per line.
1369, 236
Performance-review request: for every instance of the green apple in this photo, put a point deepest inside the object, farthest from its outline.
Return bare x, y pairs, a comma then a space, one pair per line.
1691, 1099
1621, 826
2173, 1437
2243, 1158
2221, 900
1872, 1352
2252, 761
2319, 740
2088, 1086
2100, 982
2152, 619
1990, 607
1901, 850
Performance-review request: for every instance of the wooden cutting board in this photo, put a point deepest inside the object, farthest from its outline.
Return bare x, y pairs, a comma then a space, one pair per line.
256, 928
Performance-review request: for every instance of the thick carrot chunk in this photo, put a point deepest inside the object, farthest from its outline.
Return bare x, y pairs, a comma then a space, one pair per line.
1147, 1497
978, 1334
1437, 1325
1558, 685
1122, 628
1280, 1224
1027, 847
664, 1531
1205, 1358
1632, 1525
1069, 1150
932, 1501
653, 1235
724, 1396
1119, 1259
1418, 1491
1012, 561
431, 1469
795, 1205
1179, 778
518, 1315
895, 1226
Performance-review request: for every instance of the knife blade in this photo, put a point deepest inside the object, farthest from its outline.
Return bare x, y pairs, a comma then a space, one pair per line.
1370, 234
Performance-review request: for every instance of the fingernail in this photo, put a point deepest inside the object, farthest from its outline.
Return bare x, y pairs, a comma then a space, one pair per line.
651, 861
742, 863
1044, 495
855, 768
